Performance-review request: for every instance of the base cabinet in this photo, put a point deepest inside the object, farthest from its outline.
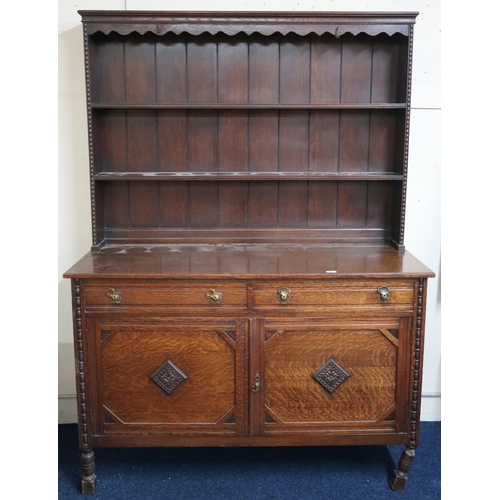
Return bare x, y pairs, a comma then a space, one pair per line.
152, 375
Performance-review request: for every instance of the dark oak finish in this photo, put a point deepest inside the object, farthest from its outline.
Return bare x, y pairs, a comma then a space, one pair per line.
247, 283
289, 107
131, 351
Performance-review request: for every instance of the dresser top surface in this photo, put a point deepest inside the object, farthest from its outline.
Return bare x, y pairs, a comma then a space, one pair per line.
202, 261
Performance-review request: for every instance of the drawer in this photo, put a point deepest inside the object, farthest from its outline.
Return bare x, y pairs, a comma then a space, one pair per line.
342, 294
154, 294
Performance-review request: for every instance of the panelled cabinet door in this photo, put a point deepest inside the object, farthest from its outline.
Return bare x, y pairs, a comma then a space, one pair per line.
169, 375
334, 376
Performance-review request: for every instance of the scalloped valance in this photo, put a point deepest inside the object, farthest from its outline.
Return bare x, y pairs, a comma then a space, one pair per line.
265, 23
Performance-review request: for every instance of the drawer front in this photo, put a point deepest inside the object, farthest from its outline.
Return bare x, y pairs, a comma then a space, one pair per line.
343, 294
154, 294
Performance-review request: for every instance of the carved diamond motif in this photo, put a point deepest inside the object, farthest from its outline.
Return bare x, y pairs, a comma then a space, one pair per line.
168, 377
330, 375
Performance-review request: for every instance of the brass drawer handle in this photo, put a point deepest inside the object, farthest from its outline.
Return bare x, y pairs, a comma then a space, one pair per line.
115, 297
383, 293
213, 296
284, 295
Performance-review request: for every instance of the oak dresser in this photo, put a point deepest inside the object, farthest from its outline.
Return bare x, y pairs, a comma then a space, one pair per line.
248, 283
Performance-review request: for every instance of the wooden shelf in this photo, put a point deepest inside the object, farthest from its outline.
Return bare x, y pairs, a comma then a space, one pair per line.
247, 176
225, 106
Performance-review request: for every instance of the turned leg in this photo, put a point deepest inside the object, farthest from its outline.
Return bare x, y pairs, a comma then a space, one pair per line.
88, 468
399, 477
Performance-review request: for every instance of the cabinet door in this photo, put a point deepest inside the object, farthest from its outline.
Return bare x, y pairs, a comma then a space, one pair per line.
169, 375
332, 376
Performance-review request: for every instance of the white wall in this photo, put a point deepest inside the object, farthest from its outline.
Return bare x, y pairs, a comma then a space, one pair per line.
423, 221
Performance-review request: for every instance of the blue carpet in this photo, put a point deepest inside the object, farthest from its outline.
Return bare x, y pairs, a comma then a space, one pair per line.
252, 473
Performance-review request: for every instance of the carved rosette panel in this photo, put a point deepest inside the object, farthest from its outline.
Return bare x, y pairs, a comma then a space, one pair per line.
168, 377
331, 375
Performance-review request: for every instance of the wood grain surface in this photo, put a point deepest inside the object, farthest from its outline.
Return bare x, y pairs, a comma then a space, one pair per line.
129, 353
199, 261
294, 354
